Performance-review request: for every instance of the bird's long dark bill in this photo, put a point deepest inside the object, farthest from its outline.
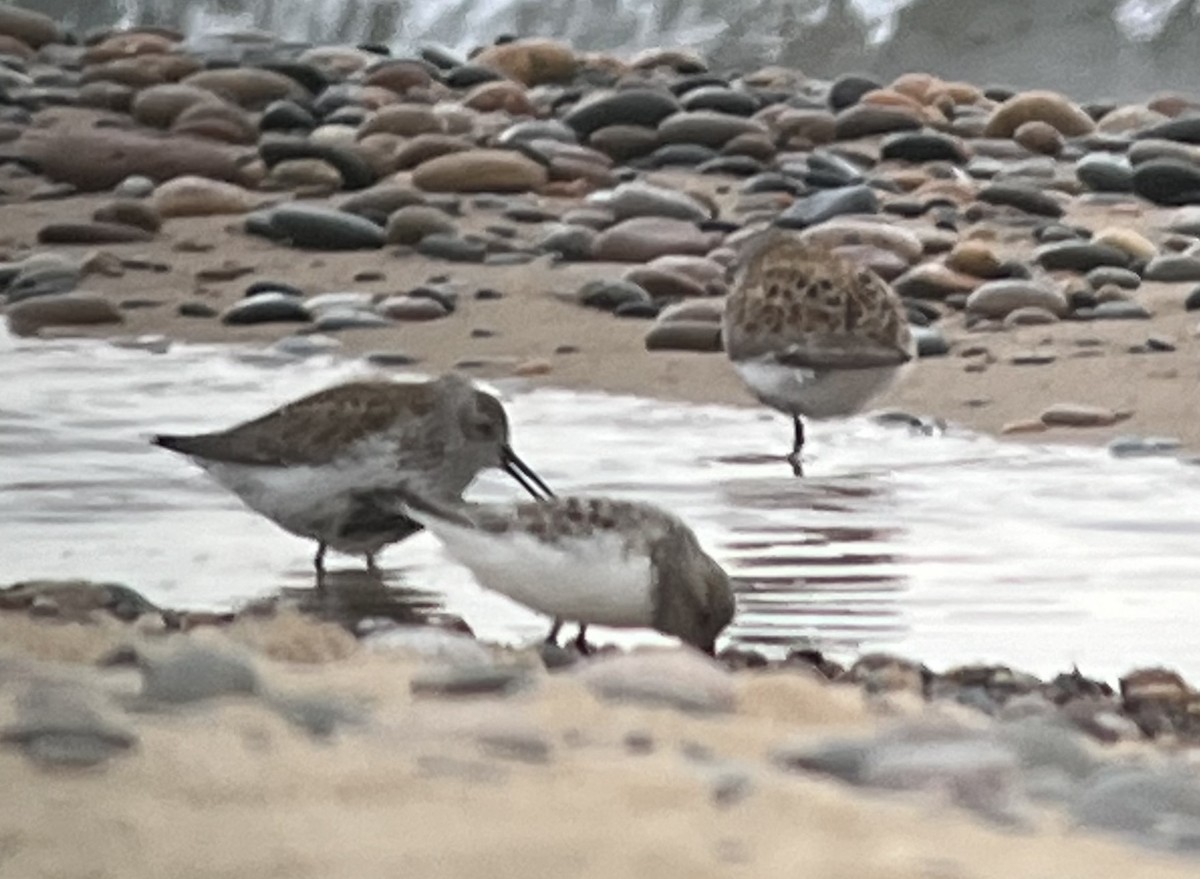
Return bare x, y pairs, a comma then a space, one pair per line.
524, 475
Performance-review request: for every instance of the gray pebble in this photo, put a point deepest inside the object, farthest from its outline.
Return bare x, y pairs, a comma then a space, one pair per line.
1143, 447
194, 673
1120, 311
67, 724
469, 680
681, 679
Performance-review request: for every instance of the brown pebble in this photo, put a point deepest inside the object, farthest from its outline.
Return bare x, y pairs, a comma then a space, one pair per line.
533, 367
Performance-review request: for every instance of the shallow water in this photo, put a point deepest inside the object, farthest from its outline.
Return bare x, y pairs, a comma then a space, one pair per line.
949, 547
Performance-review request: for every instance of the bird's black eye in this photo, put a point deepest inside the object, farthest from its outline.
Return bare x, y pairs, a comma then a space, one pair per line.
486, 430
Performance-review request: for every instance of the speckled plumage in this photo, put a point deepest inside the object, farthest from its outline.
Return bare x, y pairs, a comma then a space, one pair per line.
595, 560
810, 333
322, 466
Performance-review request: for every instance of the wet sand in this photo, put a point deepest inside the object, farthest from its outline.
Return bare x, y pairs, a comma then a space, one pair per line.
535, 318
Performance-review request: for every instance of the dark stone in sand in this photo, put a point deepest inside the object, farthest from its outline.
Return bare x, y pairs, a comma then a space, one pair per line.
684, 154
930, 342
129, 212
706, 127
196, 309
830, 171
263, 308
1173, 268
259, 223
866, 120
448, 299
1183, 129
644, 107
722, 100
1079, 256
638, 310
468, 75
624, 142
848, 88
356, 172
1105, 172
684, 335
923, 146
269, 286
609, 295
336, 319
1168, 182
569, 241
381, 200
452, 247
324, 229
1025, 198
827, 204
286, 116
1120, 311
42, 280
1123, 278
92, 233
1192, 302
733, 166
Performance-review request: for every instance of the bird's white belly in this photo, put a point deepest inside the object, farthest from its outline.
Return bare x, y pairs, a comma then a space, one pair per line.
587, 580
815, 393
307, 501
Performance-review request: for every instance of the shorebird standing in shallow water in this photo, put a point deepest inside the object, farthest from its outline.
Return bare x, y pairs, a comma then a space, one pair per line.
324, 466
812, 334
592, 560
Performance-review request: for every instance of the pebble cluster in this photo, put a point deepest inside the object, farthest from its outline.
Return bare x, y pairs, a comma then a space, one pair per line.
966, 199
994, 741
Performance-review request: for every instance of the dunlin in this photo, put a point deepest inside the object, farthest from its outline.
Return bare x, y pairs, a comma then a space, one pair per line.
323, 466
589, 559
812, 334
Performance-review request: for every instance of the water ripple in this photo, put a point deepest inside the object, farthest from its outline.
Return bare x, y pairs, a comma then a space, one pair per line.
951, 547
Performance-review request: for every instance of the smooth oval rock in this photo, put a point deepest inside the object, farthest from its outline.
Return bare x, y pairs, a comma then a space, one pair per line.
827, 204
1050, 107
266, 308
642, 239
1168, 182
191, 196
410, 224
322, 229
28, 316
640, 107
998, 298
480, 170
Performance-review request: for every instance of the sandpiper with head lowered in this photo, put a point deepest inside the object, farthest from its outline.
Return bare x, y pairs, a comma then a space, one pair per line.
324, 466
812, 334
594, 560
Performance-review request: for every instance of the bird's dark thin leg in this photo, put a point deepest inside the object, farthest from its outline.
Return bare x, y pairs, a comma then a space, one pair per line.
371, 566
797, 447
319, 564
581, 643
552, 638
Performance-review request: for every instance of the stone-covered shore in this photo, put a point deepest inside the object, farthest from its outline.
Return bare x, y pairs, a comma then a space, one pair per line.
273, 741
568, 217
